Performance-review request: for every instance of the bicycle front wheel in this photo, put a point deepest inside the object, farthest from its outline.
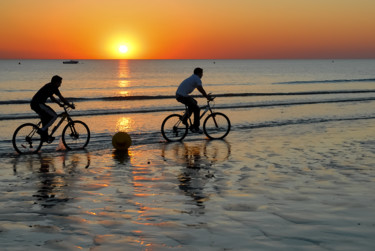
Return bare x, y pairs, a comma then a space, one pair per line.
173, 129
26, 139
216, 125
75, 135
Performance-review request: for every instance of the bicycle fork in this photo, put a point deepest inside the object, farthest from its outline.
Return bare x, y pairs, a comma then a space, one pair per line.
207, 108
73, 131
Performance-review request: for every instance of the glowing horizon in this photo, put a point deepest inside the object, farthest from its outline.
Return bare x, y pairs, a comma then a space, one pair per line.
164, 29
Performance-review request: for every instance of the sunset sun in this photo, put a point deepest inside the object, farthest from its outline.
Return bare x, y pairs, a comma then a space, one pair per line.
118, 48
123, 49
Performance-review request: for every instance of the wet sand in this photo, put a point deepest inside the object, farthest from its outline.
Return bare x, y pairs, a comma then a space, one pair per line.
293, 187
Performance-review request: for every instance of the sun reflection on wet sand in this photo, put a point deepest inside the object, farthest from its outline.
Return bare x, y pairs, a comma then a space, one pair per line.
189, 195
142, 181
197, 161
131, 193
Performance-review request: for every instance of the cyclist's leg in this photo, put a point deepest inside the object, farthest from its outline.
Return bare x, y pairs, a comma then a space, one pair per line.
47, 115
188, 112
193, 108
36, 108
196, 111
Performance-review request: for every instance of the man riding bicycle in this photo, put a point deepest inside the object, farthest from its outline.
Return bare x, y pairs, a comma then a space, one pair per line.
46, 113
182, 95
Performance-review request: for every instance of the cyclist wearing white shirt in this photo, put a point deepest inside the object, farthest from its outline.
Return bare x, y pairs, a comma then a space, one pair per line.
182, 95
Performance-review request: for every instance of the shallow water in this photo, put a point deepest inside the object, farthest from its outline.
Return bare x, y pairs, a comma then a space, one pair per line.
296, 171
301, 187
253, 93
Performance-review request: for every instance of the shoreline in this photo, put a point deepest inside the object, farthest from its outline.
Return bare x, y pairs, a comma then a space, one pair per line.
279, 188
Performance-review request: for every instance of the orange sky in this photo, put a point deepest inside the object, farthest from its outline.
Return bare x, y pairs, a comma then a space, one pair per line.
187, 29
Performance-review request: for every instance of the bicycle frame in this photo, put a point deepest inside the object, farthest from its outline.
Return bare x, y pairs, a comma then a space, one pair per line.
206, 109
64, 115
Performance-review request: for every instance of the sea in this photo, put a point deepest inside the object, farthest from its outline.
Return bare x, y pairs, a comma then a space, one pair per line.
296, 171
268, 93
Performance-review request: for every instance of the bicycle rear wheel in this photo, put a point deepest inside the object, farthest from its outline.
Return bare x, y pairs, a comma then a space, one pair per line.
173, 129
75, 135
216, 125
26, 139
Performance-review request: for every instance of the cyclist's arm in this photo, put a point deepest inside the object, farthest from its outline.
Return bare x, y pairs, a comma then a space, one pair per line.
62, 99
54, 100
201, 90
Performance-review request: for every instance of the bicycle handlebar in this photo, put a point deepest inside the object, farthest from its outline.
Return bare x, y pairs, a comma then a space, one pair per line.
209, 97
212, 99
66, 107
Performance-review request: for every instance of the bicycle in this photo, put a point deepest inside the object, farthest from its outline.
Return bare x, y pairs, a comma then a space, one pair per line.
215, 126
75, 135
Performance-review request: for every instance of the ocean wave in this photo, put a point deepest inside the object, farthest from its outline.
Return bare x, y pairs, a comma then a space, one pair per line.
333, 81
298, 122
144, 97
97, 112
99, 141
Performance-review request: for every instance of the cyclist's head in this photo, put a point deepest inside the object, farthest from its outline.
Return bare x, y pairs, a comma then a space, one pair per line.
56, 79
198, 71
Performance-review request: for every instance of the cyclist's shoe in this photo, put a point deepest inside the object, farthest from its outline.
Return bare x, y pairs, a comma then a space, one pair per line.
45, 137
43, 134
196, 130
50, 139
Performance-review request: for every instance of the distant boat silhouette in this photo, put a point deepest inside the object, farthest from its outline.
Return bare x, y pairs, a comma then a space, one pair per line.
70, 62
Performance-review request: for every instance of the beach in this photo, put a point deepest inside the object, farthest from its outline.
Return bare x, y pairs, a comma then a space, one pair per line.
289, 187
296, 171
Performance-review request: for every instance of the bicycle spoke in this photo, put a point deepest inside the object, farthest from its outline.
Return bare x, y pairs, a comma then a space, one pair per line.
76, 135
173, 129
26, 139
216, 126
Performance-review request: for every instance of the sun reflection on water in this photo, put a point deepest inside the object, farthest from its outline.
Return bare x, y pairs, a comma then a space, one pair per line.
124, 124
123, 78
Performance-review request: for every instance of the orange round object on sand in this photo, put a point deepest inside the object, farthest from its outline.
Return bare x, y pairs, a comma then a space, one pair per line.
121, 141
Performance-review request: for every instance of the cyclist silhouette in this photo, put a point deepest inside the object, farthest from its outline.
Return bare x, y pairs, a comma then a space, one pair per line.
45, 112
182, 95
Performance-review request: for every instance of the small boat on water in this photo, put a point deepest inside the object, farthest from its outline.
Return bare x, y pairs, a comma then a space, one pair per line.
70, 62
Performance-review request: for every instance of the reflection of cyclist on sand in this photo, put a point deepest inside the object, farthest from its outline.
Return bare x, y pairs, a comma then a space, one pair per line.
182, 95
210, 153
46, 113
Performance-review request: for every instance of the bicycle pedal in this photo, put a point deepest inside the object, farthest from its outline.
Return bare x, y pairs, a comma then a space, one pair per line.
41, 132
50, 140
